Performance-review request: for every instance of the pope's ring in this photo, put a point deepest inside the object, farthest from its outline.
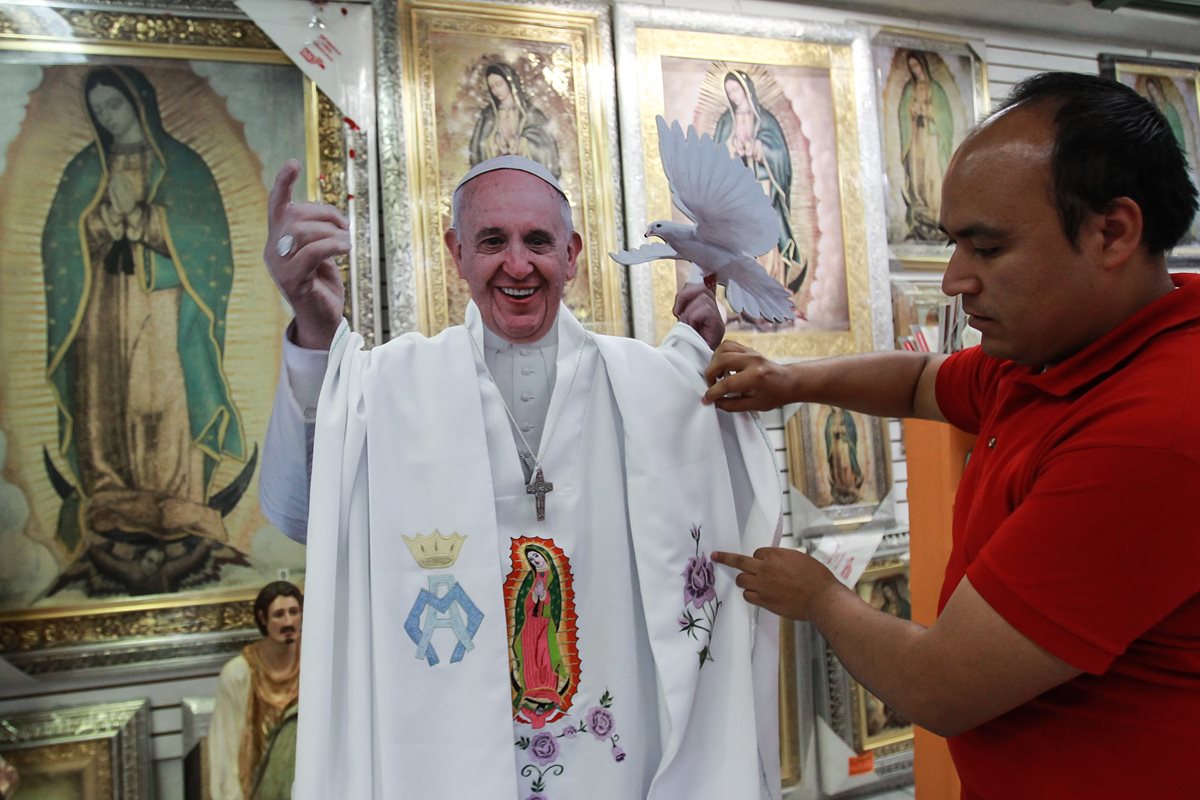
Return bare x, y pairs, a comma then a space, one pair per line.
285, 245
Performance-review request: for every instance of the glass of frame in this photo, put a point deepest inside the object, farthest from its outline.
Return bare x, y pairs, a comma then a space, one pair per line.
797, 107
884, 585
931, 92
486, 80
839, 460
141, 333
1174, 88
98, 752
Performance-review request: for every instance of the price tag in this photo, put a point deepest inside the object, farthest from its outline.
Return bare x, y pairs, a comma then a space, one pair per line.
847, 554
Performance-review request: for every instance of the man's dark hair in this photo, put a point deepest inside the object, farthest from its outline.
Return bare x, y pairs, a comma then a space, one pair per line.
269, 594
1111, 142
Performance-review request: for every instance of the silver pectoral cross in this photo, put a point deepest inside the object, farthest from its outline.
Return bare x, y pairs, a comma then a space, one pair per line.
540, 488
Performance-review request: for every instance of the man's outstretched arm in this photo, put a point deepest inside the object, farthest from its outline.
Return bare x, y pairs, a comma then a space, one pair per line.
883, 384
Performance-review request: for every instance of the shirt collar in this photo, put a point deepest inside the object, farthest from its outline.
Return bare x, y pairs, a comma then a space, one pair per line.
1172, 310
497, 343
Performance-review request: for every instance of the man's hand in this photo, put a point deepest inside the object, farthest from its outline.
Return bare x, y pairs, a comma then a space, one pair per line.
307, 274
696, 305
740, 379
781, 580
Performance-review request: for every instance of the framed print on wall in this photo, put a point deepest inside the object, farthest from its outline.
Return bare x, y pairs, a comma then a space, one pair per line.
797, 108
839, 461
861, 741
140, 334
484, 80
931, 92
1174, 89
96, 752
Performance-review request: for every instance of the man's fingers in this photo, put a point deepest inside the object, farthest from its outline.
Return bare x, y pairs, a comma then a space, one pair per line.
281, 191
737, 561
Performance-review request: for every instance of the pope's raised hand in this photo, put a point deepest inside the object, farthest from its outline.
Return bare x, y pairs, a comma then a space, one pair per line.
302, 241
740, 379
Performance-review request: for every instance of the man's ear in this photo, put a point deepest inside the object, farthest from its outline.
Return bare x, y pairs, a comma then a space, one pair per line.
450, 237
1120, 229
574, 247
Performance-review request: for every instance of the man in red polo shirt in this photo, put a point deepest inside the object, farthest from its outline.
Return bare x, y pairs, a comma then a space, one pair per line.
1065, 661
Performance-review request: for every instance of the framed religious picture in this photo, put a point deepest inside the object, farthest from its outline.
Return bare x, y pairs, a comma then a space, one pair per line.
793, 102
484, 80
839, 462
884, 585
931, 92
140, 335
923, 316
863, 741
96, 752
1174, 88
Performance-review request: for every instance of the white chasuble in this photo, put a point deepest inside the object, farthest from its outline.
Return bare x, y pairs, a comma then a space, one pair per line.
457, 647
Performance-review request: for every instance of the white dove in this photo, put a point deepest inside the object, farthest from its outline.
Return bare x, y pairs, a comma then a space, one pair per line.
734, 222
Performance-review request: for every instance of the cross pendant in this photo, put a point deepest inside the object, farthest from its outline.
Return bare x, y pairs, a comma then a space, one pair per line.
539, 487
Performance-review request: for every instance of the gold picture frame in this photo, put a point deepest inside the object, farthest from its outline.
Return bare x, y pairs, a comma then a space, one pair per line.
680, 65
96, 752
1174, 88
839, 461
876, 726
53, 49
932, 90
552, 64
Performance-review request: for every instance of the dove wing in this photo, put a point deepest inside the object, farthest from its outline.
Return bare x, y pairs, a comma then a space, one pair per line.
716, 191
750, 290
647, 252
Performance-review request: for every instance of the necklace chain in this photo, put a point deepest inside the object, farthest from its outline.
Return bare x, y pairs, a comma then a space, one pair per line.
545, 443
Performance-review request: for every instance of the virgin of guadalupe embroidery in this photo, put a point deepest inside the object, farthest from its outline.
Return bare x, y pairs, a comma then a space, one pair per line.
544, 664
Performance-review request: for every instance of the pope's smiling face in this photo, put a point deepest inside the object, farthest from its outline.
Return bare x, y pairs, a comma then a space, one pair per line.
513, 246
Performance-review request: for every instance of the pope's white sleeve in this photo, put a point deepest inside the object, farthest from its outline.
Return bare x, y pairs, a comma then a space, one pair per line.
287, 452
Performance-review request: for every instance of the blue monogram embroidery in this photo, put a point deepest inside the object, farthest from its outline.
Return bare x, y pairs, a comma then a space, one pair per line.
446, 605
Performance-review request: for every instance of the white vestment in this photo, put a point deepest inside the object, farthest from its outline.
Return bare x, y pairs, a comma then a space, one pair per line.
411, 675
225, 729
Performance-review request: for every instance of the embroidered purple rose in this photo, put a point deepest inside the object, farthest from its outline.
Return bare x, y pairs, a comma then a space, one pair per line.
699, 581
569, 732
543, 747
600, 722
618, 754
538, 796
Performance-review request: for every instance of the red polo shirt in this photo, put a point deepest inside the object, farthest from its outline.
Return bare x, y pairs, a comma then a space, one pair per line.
1078, 521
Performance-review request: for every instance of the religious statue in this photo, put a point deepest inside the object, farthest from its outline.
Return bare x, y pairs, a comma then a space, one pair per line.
138, 271
252, 738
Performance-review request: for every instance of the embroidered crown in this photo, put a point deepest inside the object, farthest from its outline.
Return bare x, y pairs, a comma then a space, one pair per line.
435, 551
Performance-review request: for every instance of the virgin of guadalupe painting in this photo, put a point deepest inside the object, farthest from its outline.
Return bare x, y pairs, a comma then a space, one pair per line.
138, 269
1167, 93
932, 89
747, 108
511, 124
141, 348
754, 135
543, 654
926, 142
